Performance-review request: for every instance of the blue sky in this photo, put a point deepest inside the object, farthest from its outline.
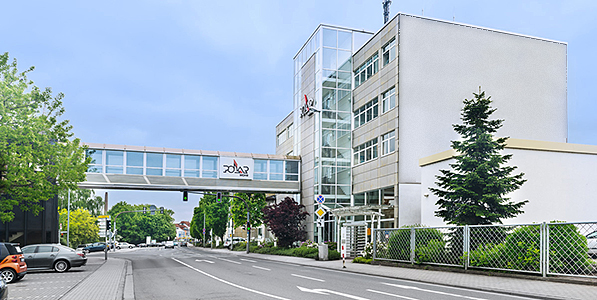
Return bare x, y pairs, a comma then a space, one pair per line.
217, 75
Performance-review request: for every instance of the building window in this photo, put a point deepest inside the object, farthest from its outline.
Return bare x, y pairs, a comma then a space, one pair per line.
173, 165
210, 167
366, 113
114, 162
276, 170
388, 143
155, 161
292, 170
388, 99
96, 160
134, 163
260, 170
192, 166
389, 52
282, 136
366, 70
290, 130
365, 152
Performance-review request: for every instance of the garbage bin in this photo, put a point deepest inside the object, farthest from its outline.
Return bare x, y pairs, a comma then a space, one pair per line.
323, 251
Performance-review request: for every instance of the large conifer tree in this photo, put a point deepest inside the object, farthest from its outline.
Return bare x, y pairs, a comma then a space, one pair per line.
474, 191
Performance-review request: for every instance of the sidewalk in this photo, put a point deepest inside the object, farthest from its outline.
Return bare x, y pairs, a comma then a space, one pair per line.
113, 280
534, 287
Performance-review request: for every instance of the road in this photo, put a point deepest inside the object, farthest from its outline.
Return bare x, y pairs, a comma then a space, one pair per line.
194, 273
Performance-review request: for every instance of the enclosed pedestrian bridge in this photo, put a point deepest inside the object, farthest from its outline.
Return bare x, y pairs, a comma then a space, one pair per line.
164, 169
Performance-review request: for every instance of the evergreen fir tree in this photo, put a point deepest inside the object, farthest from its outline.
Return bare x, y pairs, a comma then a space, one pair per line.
474, 191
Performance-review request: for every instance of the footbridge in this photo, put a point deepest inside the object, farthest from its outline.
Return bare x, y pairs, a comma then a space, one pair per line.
164, 169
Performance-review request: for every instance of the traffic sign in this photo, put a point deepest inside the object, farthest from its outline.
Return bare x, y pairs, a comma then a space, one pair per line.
320, 199
320, 212
320, 222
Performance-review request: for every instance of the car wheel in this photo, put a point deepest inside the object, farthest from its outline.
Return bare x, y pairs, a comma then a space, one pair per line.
9, 275
60, 266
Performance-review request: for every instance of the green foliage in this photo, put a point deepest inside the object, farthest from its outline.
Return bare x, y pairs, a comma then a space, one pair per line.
429, 243
216, 217
83, 227
38, 155
334, 255
303, 251
362, 260
256, 203
134, 227
285, 220
81, 198
474, 191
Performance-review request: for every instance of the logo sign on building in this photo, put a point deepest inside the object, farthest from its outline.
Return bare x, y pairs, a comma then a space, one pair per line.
236, 168
308, 107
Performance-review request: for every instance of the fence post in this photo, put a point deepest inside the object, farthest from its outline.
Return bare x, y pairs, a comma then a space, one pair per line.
374, 243
542, 249
412, 245
546, 255
466, 245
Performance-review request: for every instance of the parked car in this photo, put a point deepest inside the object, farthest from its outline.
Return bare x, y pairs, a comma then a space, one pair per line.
230, 243
95, 247
592, 243
169, 244
142, 245
124, 245
12, 266
52, 256
182, 244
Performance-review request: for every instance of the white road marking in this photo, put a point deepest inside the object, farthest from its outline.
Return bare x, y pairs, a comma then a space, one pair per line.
310, 278
431, 291
205, 260
388, 294
262, 268
327, 292
229, 283
248, 260
234, 262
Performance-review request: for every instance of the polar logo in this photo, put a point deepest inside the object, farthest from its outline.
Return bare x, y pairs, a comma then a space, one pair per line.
234, 168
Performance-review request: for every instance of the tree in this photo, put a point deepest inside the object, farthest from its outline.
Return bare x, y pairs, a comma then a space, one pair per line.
256, 203
284, 220
38, 157
216, 217
134, 227
81, 198
83, 227
474, 191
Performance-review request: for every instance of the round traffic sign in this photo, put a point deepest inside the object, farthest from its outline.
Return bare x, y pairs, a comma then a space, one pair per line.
320, 199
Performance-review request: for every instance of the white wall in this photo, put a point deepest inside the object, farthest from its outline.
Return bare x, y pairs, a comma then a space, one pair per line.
560, 186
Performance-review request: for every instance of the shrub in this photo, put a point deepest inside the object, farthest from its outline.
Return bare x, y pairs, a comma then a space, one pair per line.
433, 251
308, 252
428, 241
361, 260
334, 255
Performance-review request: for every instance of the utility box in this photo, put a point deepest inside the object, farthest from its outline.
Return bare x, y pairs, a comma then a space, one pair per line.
323, 251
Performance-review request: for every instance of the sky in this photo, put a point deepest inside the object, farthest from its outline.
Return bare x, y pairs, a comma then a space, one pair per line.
217, 75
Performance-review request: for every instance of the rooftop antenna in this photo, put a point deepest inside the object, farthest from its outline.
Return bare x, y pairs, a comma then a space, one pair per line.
386, 10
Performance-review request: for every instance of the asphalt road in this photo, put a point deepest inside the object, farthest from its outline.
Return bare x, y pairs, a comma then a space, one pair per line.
192, 273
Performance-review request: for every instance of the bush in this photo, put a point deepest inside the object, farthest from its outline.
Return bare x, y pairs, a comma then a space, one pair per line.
308, 252
334, 255
429, 243
361, 260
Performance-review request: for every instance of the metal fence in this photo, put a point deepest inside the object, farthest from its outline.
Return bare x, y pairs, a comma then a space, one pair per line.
546, 248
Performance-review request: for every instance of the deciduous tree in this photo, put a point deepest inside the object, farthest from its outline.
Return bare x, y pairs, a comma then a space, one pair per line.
285, 221
38, 155
83, 227
475, 190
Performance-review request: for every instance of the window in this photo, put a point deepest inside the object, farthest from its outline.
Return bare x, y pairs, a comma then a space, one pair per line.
290, 130
388, 99
282, 137
276, 170
155, 161
134, 163
292, 169
210, 167
389, 52
366, 113
114, 162
388, 143
365, 152
260, 170
96, 160
192, 165
173, 165
366, 70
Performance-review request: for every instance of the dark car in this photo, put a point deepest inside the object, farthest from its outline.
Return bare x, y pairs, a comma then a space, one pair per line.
95, 247
182, 244
52, 256
12, 266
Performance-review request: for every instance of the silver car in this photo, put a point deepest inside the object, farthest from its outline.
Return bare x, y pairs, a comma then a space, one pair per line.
52, 256
592, 243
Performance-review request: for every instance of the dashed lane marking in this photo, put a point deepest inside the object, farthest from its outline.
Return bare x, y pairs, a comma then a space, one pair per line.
310, 278
261, 268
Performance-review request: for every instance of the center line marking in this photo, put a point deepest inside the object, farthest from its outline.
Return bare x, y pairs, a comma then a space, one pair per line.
262, 268
234, 262
310, 278
251, 261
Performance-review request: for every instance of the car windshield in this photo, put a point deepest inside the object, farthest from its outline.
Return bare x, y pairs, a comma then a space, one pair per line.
13, 249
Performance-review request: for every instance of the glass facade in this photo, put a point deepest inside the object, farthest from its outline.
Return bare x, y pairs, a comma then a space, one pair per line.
181, 165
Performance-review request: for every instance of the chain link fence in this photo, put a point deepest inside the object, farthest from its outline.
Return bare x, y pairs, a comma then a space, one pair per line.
546, 248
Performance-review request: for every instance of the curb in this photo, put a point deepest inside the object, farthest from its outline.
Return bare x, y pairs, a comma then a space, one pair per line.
129, 285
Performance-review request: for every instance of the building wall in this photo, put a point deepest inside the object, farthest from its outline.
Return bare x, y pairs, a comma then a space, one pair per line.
442, 63
284, 127
560, 183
